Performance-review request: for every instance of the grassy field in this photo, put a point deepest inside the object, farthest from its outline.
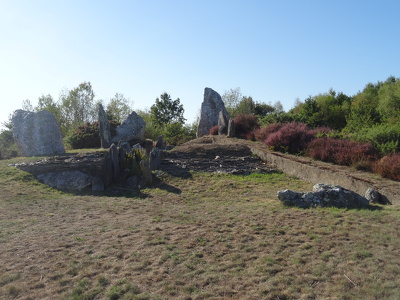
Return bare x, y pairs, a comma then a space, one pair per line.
203, 237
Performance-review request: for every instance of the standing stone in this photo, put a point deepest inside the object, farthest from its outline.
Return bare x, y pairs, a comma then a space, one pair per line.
160, 142
222, 124
155, 158
146, 172
210, 108
114, 162
104, 128
132, 129
231, 128
37, 133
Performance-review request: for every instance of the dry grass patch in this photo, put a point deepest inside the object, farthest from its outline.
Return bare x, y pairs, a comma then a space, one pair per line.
203, 237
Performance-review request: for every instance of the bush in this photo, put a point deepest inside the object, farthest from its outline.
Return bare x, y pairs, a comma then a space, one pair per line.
8, 147
245, 124
291, 138
176, 133
261, 134
389, 166
88, 136
342, 152
321, 131
385, 137
214, 130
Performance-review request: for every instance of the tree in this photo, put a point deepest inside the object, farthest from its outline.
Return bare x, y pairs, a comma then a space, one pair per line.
119, 108
47, 102
246, 106
389, 100
26, 105
231, 100
77, 107
166, 111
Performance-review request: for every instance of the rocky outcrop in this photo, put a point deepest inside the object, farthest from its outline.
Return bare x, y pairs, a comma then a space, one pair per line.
210, 108
132, 129
37, 133
324, 195
104, 128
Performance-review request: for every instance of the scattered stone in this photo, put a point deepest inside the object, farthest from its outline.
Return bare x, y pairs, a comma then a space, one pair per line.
104, 128
373, 196
114, 157
231, 128
71, 181
323, 195
132, 129
222, 124
210, 108
37, 133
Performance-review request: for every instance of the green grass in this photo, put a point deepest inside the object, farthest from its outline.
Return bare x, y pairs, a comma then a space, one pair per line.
221, 237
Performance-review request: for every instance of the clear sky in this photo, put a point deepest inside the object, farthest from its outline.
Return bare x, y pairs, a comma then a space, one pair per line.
272, 50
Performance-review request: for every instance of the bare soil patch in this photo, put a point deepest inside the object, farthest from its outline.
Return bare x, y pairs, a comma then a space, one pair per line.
209, 235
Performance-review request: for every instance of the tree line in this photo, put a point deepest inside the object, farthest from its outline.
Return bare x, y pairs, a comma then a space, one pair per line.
372, 115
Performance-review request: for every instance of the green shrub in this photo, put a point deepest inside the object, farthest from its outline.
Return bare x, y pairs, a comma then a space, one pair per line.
88, 136
8, 148
384, 137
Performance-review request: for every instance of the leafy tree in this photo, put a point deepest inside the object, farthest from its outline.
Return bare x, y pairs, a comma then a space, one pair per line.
363, 109
231, 100
26, 105
77, 107
246, 106
328, 109
166, 111
119, 108
47, 102
152, 130
263, 109
389, 100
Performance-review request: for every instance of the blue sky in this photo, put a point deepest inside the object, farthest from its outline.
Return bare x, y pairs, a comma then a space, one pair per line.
272, 50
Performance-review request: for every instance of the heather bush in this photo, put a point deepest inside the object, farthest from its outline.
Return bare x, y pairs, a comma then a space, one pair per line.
214, 130
245, 124
291, 137
342, 152
261, 134
389, 166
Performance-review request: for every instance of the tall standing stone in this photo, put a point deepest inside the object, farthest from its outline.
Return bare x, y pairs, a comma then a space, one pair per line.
37, 133
104, 128
210, 108
132, 129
